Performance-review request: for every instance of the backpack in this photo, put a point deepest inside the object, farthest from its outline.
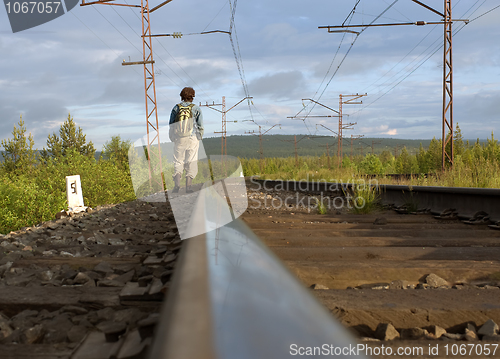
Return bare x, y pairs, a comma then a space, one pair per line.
184, 121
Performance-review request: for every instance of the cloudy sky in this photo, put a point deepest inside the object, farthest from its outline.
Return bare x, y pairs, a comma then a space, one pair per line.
73, 65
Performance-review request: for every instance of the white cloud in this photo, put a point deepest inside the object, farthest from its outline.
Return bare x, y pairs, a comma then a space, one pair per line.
63, 66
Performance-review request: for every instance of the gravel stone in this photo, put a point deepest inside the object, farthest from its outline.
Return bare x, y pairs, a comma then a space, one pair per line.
413, 333
34, 334
398, 284
437, 331
73, 309
5, 328
386, 331
452, 336
81, 278
110, 283
25, 319
5, 268
105, 314
488, 328
57, 329
374, 286
422, 286
435, 281
129, 316
77, 333
318, 286
103, 268
126, 277
470, 335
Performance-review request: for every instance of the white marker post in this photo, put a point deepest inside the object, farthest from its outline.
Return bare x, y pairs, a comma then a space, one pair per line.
74, 192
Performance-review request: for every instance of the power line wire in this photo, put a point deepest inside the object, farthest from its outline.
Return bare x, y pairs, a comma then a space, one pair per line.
347, 53
434, 51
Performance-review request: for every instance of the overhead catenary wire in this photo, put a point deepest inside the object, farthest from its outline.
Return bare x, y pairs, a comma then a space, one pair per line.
415, 59
487, 12
237, 52
313, 104
200, 89
222, 8
109, 47
429, 56
126, 22
140, 51
347, 53
414, 69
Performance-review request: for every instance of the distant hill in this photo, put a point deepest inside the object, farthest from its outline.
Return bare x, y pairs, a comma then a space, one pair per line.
97, 155
247, 146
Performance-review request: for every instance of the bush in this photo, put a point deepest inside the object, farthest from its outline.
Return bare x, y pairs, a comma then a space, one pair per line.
23, 203
28, 199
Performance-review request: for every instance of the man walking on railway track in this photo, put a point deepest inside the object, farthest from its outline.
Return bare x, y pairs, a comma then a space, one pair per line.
186, 131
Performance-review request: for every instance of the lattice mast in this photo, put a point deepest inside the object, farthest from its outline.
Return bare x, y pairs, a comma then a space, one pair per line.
447, 112
152, 127
351, 100
223, 132
447, 86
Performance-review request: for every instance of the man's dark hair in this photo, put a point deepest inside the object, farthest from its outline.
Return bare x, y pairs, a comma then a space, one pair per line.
187, 94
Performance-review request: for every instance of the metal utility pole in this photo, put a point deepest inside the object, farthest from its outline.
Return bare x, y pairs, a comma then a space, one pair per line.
352, 138
321, 116
339, 115
396, 149
447, 113
349, 125
447, 85
153, 134
261, 147
344, 126
327, 154
375, 143
295, 146
296, 154
223, 111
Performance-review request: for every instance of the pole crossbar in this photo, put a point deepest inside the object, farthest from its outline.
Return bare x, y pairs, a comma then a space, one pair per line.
223, 111
153, 147
447, 108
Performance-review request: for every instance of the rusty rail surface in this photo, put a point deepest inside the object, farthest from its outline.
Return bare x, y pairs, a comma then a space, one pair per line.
465, 201
232, 298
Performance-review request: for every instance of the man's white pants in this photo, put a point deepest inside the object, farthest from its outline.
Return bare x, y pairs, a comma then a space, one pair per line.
186, 156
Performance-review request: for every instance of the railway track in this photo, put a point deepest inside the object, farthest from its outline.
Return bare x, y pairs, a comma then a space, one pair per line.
373, 267
89, 278
229, 296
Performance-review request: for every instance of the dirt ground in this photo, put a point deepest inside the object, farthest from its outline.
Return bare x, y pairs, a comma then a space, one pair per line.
374, 268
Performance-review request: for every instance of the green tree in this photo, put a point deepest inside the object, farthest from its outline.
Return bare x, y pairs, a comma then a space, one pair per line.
492, 150
458, 142
116, 150
69, 138
406, 163
385, 157
477, 150
19, 154
421, 159
434, 155
371, 165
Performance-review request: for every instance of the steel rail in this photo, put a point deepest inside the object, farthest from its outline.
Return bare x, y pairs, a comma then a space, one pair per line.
231, 297
466, 201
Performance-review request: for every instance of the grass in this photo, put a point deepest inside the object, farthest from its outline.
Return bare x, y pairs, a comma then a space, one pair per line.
363, 198
30, 198
322, 209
